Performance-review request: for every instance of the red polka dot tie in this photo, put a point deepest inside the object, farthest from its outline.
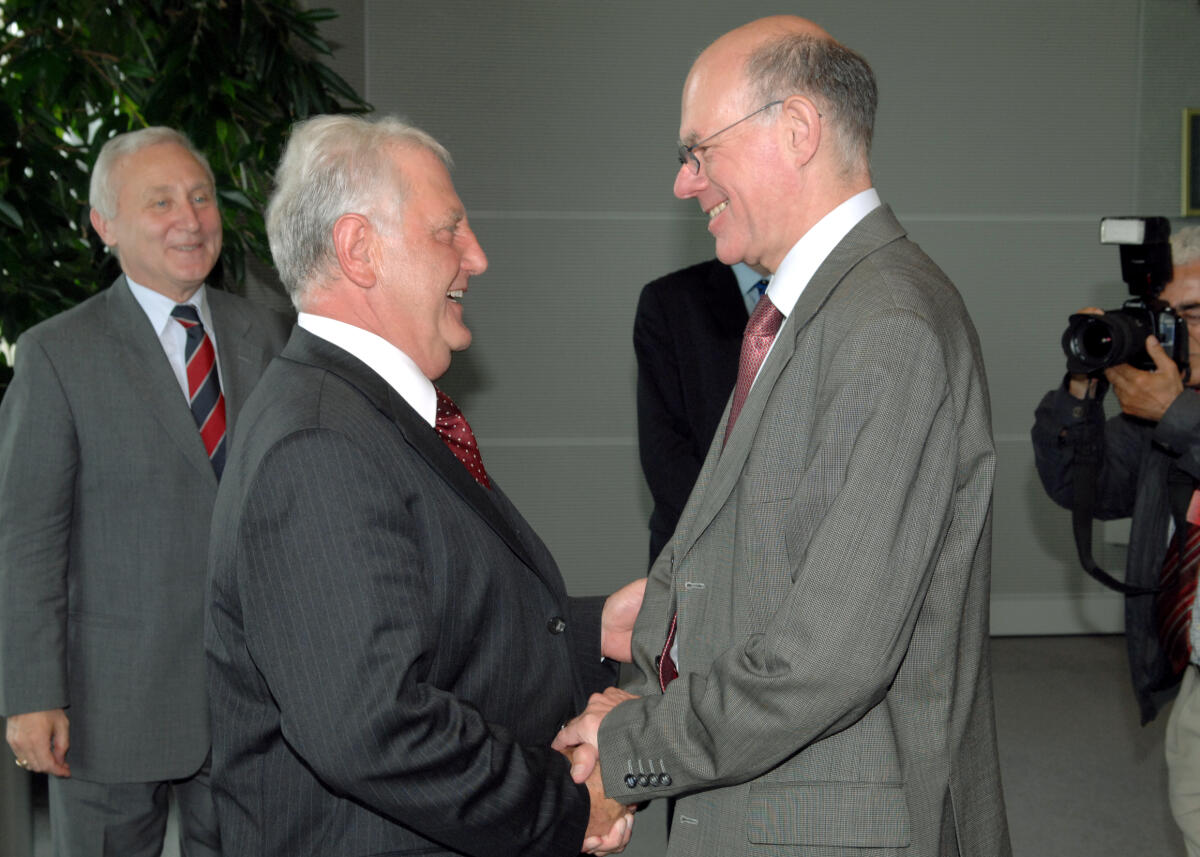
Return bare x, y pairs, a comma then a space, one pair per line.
453, 427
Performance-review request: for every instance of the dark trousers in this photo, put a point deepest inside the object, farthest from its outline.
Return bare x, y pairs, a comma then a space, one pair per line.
90, 819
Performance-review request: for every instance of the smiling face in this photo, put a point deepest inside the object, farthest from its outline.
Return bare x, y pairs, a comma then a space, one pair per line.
426, 255
737, 187
167, 227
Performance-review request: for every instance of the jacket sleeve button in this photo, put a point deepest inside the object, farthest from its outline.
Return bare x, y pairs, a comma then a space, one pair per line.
631, 781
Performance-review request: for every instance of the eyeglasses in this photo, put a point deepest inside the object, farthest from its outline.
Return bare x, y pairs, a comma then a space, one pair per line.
687, 155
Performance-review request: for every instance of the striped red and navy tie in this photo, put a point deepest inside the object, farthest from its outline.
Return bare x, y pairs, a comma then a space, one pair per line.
204, 387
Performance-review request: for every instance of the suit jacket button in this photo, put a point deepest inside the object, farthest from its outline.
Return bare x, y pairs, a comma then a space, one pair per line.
664, 779
643, 780
557, 625
630, 781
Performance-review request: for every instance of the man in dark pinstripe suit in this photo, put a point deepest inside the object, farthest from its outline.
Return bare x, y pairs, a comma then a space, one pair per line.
391, 647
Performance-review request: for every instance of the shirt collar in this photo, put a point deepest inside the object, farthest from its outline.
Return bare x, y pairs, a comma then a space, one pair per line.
158, 306
388, 361
747, 277
807, 254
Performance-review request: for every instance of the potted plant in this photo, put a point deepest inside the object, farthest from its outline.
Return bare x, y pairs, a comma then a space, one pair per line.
231, 74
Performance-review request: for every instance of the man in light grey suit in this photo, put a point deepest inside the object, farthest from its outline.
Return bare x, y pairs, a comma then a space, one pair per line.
391, 646
827, 584
106, 491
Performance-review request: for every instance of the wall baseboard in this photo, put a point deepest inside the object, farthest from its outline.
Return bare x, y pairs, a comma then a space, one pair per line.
1051, 614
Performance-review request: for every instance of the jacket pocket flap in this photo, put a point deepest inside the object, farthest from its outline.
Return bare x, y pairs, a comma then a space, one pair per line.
855, 815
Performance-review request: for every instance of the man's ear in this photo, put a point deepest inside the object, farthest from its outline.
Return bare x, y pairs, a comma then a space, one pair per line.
802, 121
103, 228
352, 234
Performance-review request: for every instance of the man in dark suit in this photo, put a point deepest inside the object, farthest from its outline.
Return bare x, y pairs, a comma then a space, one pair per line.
112, 436
391, 647
813, 647
687, 334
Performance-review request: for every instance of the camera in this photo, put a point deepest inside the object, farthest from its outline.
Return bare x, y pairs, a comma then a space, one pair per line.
1093, 343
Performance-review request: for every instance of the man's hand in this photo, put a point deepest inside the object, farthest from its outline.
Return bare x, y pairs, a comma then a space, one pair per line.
616, 622
41, 740
610, 824
581, 736
1147, 394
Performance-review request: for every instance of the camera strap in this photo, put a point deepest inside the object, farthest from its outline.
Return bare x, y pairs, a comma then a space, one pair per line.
1089, 449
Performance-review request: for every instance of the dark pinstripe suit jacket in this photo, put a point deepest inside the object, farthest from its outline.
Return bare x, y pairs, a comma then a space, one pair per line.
391, 647
831, 573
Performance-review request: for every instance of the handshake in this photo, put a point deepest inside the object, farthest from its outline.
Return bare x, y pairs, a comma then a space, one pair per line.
610, 824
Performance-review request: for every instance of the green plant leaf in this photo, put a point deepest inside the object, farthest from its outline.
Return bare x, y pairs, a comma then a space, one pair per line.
231, 74
10, 215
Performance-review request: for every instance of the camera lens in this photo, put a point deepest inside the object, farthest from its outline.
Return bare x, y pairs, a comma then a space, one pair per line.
1094, 342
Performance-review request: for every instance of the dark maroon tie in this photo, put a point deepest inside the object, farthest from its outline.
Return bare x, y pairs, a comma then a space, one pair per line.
761, 329
760, 332
667, 671
453, 427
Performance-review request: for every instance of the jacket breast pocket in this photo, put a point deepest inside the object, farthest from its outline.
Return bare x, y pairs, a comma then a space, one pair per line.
845, 815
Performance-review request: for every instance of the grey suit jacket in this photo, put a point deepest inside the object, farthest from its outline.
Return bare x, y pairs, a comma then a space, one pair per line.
830, 573
391, 647
105, 497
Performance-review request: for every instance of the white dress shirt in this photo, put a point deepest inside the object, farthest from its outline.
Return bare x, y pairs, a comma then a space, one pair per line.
391, 364
810, 252
171, 334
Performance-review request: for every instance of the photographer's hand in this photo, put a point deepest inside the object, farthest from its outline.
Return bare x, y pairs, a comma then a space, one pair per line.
1147, 394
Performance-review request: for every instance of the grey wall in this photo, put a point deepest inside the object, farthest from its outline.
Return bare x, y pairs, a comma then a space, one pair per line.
1005, 131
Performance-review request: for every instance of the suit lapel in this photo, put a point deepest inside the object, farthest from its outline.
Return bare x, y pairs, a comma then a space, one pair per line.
304, 347
240, 356
145, 363
724, 466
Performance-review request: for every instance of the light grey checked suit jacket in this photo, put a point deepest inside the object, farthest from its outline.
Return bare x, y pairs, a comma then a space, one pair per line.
105, 497
391, 646
831, 574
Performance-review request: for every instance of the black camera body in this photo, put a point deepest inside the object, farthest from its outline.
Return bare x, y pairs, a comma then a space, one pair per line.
1093, 343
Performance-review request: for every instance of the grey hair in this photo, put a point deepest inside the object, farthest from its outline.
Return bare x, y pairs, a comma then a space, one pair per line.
102, 196
1185, 246
839, 81
332, 166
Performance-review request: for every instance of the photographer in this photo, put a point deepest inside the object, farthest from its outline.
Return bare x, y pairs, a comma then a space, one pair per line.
1153, 443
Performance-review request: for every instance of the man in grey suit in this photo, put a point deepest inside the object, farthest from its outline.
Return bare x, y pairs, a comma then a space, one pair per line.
827, 587
391, 647
107, 480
